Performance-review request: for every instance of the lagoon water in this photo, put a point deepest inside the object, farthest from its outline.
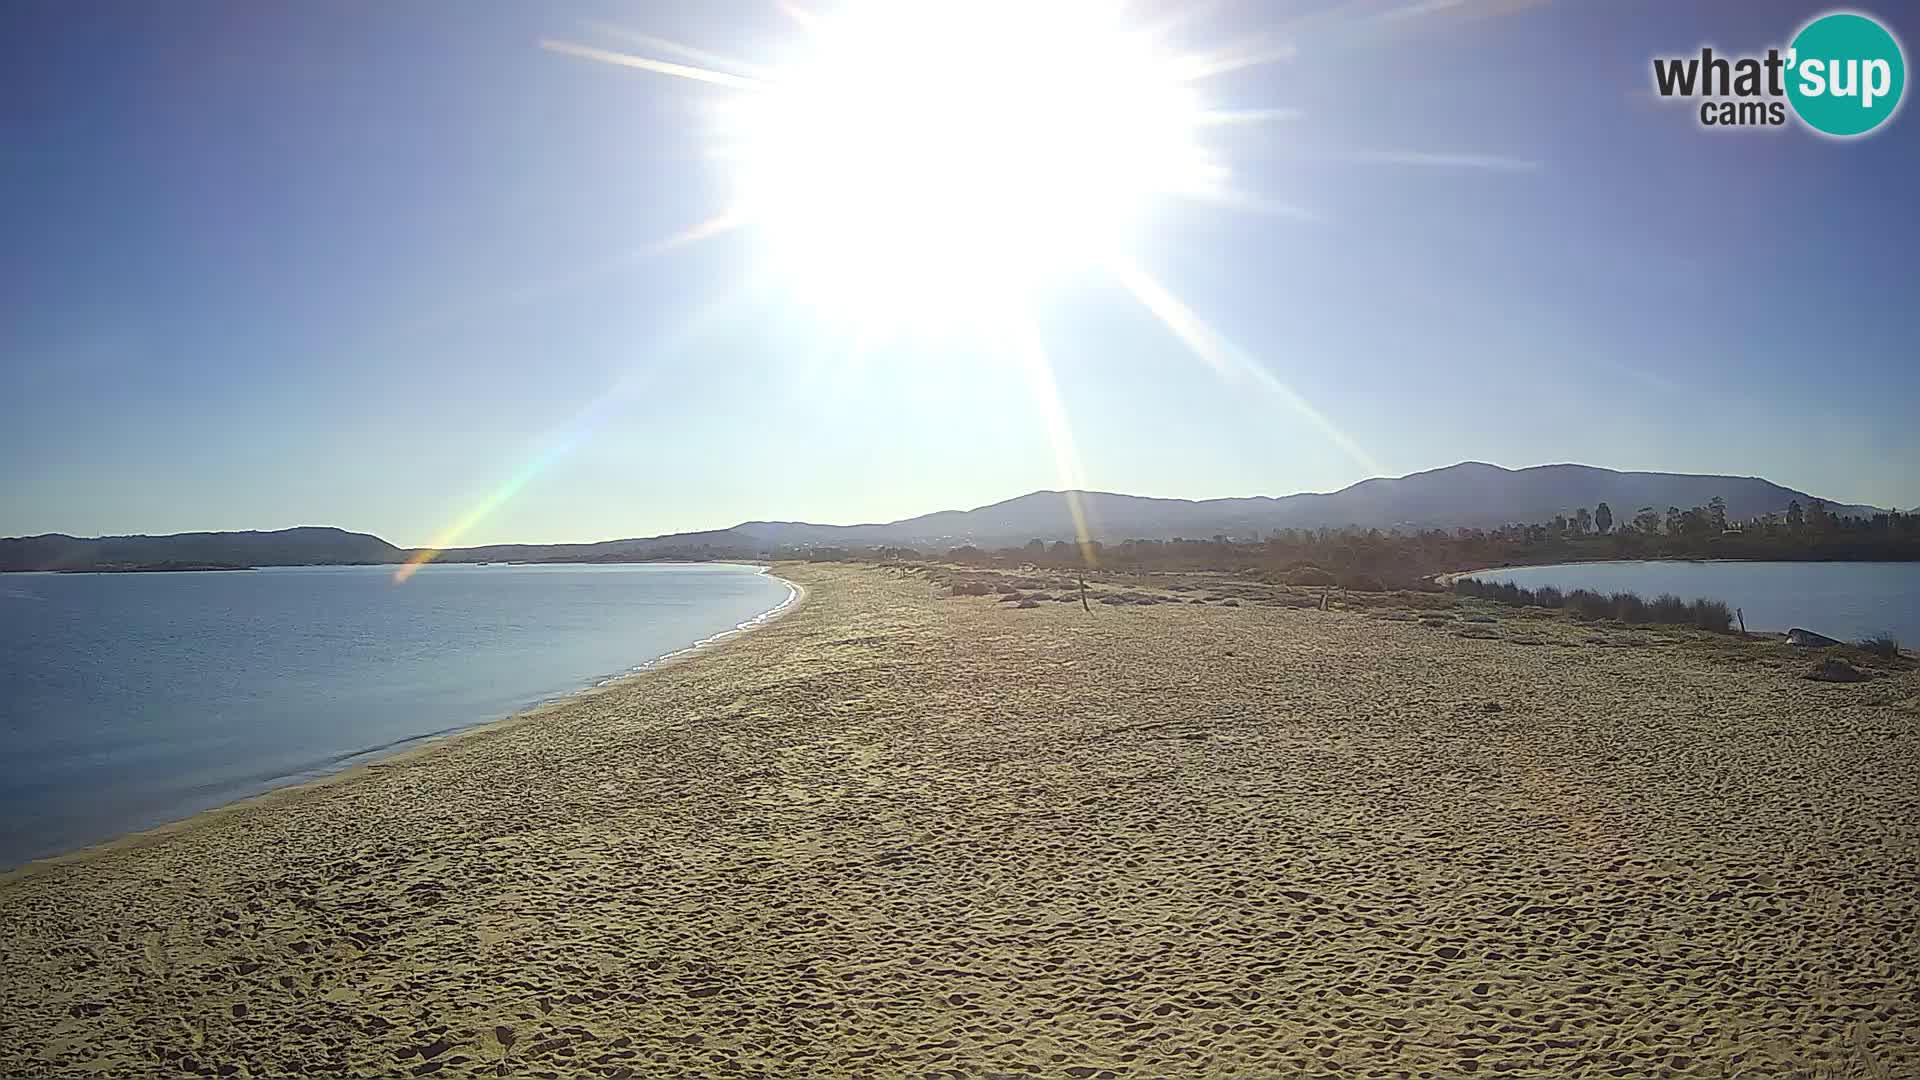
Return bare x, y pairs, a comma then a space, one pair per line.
1847, 600
131, 700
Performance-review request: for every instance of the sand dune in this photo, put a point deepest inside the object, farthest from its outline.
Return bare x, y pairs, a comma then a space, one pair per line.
897, 833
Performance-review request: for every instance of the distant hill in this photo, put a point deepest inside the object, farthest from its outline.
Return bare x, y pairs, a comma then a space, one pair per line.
309, 546
1477, 494
1469, 494
724, 541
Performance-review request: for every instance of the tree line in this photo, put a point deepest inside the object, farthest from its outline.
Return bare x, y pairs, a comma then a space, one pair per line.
1402, 558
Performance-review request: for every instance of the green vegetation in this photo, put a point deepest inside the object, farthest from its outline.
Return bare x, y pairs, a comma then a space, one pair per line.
1362, 559
1666, 609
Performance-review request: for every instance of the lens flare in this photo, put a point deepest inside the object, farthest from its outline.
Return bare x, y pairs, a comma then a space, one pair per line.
945, 161
578, 430
1227, 359
1022, 340
495, 499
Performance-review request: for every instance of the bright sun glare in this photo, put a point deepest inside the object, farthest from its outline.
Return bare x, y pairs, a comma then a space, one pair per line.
941, 162
930, 158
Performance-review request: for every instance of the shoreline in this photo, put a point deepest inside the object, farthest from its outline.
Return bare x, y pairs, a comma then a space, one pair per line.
1446, 577
419, 746
796, 595
1847, 599
911, 833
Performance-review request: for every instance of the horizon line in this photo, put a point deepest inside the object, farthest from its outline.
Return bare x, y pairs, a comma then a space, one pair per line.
914, 517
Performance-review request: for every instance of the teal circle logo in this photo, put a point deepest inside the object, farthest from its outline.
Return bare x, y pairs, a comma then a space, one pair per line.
1845, 73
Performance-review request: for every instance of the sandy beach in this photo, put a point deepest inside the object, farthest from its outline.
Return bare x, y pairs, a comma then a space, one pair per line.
901, 833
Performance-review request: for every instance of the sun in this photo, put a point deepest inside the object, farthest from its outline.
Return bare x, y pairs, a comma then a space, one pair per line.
928, 159
946, 162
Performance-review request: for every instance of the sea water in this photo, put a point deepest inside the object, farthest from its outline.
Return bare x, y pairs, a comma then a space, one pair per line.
1846, 600
132, 700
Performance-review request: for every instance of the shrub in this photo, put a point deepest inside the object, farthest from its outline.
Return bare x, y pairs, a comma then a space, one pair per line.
1501, 592
1362, 583
1587, 604
1309, 575
1668, 608
1711, 615
1627, 607
970, 588
1881, 645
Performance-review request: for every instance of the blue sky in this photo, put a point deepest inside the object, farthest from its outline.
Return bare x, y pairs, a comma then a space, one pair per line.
383, 266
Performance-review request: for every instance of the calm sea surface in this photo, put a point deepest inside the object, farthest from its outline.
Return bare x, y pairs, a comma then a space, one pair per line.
131, 700
1847, 600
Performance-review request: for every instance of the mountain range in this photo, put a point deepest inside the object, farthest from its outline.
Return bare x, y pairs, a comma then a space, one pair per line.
282, 547
1472, 494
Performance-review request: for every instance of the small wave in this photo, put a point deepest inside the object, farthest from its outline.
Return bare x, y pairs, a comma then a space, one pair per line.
793, 594
332, 763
